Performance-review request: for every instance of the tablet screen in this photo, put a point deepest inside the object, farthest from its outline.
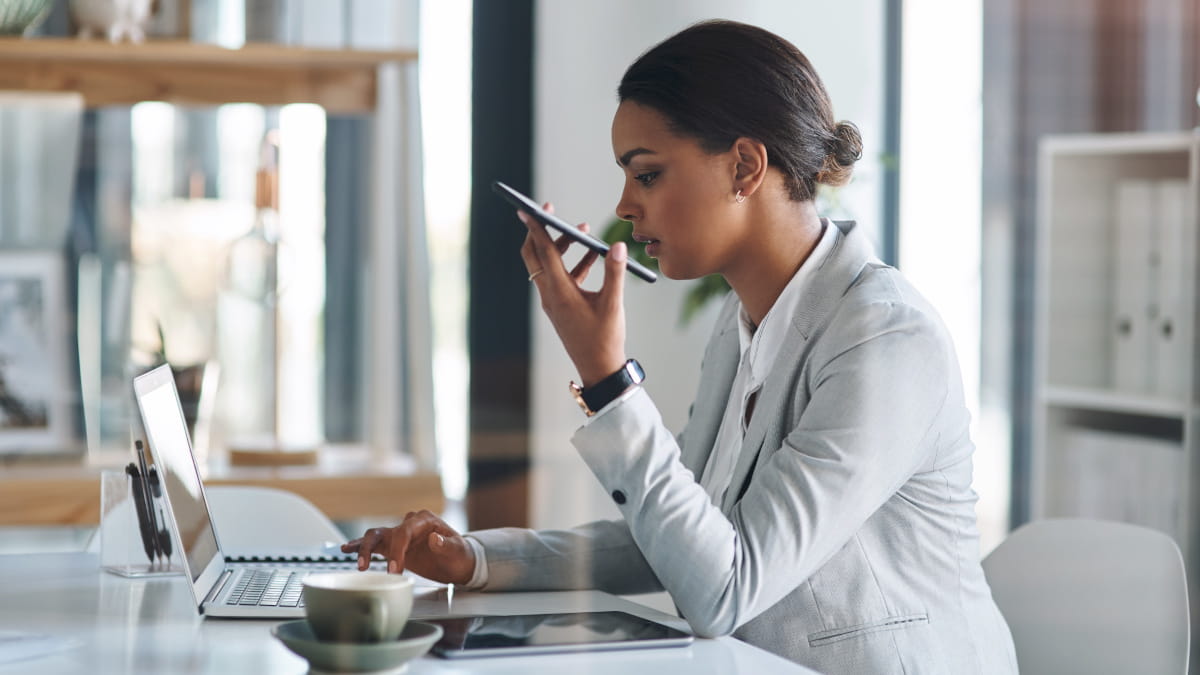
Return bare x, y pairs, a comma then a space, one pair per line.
545, 633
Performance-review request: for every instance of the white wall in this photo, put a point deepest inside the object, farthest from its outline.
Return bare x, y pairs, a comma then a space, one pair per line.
940, 220
583, 48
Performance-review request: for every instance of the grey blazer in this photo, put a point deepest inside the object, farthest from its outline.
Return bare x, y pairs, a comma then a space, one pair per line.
847, 538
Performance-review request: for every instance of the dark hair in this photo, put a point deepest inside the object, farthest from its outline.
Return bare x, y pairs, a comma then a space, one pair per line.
717, 81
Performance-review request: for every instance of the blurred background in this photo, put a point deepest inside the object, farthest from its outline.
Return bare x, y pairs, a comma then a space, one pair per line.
326, 271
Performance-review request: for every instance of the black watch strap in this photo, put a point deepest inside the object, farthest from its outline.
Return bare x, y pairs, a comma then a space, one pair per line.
605, 391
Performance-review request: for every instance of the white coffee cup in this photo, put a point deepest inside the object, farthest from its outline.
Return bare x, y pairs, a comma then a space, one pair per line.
357, 606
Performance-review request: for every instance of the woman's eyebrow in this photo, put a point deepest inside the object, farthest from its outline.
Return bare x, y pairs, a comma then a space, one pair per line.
627, 157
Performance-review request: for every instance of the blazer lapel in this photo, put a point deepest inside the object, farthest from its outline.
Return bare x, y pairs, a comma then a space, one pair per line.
850, 253
768, 413
720, 366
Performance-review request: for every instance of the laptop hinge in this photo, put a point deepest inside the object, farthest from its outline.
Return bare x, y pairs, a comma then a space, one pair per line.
217, 587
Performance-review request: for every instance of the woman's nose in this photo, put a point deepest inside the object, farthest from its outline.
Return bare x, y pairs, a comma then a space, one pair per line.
626, 208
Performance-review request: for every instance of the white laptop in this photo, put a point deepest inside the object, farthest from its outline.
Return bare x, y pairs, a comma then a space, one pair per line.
222, 588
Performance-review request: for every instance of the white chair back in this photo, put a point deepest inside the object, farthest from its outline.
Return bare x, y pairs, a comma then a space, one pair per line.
1096, 597
252, 519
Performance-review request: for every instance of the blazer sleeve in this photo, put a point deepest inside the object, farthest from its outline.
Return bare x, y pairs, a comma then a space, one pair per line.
875, 385
601, 555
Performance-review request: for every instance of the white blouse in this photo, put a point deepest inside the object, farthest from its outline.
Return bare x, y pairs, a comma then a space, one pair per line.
760, 346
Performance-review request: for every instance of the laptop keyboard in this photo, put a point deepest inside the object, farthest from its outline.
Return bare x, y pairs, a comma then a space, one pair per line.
268, 588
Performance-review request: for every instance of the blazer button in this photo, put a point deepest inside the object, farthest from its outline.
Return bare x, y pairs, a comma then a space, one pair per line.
618, 496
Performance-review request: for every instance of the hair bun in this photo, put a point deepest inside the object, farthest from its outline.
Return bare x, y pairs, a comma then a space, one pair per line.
845, 148
848, 146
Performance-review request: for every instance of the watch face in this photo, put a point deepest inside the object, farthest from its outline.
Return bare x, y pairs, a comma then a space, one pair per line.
577, 392
635, 371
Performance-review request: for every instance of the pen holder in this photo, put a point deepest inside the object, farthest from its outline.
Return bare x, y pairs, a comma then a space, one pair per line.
124, 549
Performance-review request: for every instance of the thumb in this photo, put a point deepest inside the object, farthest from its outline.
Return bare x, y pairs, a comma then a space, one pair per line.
614, 273
442, 545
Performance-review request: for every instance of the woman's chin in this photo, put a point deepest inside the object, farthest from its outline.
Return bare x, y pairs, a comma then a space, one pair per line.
677, 272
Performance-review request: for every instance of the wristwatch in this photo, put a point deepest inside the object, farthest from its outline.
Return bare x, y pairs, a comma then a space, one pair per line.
605, 391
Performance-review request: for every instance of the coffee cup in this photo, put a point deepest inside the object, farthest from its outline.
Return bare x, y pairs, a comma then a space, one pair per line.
357, 606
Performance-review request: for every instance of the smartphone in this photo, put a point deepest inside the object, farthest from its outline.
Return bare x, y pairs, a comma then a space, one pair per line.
531, 207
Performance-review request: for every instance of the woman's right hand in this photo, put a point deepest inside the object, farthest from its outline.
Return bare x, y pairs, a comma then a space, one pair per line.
590, 324
422, 543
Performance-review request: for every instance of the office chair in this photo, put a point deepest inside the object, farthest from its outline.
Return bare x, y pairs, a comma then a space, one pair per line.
1090, 596
252, 519
259, 520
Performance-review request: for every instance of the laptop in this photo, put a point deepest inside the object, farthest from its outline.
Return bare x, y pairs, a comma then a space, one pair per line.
222, 587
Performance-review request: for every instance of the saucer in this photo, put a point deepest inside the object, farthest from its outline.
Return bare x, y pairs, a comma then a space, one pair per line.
352, 657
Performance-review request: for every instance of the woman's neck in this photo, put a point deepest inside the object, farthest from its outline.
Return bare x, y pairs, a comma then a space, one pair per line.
784, 236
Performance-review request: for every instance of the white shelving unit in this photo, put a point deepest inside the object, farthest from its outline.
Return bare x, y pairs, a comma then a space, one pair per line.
1115, 403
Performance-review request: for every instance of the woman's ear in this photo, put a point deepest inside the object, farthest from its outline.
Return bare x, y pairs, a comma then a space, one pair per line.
751, 165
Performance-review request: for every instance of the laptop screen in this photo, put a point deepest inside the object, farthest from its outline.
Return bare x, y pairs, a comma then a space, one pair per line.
162, 418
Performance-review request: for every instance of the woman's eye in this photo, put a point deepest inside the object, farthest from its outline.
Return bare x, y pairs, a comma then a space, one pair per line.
646, 178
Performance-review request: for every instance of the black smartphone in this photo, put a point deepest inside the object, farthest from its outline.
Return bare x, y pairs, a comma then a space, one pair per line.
531, 207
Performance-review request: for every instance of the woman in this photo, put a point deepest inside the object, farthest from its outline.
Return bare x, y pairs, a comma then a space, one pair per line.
818, 503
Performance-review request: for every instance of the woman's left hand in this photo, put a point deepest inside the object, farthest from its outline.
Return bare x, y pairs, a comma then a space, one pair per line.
590, 324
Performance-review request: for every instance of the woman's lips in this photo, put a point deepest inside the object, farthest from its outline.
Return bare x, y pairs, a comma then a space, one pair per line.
652, 244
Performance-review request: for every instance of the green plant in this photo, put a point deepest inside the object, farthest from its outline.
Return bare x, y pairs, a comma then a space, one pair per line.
702, 291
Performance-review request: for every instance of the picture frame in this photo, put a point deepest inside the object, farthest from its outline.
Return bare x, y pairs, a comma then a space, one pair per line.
34, 395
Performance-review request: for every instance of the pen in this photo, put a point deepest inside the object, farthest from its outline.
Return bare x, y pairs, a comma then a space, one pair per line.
164, 535
139, 501
151, 520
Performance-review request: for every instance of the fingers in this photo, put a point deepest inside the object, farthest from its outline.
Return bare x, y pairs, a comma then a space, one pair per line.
411, 537
614, 276
528, 250
529, 254
542, 252
538, 237
563, 242
580, 271
365, 546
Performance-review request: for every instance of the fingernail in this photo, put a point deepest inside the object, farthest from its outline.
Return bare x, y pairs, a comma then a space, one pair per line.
391, 567
439, 540
619, 251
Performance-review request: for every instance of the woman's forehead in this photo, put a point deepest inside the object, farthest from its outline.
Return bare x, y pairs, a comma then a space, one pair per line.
638, 126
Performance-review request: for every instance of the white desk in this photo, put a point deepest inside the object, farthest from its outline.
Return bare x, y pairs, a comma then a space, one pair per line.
151, 626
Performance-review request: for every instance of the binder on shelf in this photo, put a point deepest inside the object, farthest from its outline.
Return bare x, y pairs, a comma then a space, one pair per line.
1132, 286
1168, 353
1124, 477
1085, 489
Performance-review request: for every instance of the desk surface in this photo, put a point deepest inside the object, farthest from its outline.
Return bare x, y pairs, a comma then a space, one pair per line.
151, 626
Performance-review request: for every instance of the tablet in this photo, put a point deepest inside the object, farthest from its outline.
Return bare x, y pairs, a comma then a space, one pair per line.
550, 633
531, 207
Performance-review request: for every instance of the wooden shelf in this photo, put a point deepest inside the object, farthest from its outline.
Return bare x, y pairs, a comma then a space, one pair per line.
341, 81
346, 484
